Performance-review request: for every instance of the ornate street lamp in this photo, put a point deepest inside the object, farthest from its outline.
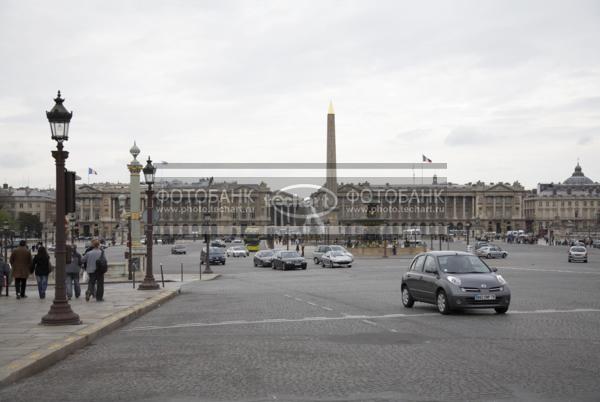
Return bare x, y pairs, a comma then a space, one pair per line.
468, 232
207, 269
149, 283
60, 312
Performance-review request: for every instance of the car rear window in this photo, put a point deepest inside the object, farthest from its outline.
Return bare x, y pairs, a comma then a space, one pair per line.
578, 249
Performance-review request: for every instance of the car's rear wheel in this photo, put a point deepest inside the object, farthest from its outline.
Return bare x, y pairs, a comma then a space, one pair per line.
504, 255
488, 256
316, 260
442, 302
407, 299
501, 310
255, 264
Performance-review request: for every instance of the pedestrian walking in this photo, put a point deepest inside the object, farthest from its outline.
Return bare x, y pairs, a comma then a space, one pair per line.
42, 268
22, 267
5, 278
96, 278
72, 269
302, 249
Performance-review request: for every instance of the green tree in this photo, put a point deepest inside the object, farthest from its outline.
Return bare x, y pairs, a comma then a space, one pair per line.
29, 223
7, 217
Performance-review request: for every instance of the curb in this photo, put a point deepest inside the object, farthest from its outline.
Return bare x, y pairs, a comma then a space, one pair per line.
49, 355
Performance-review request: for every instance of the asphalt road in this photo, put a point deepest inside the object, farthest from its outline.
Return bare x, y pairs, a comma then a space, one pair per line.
342, 335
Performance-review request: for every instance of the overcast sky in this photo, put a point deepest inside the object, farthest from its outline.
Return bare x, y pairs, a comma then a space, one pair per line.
499, 90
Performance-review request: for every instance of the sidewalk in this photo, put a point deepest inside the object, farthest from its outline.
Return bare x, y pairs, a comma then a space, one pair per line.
28, 347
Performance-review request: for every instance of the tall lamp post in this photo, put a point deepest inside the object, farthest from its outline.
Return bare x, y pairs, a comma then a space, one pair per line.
60, 312
5, 228
207, 270
149, 283
468, 232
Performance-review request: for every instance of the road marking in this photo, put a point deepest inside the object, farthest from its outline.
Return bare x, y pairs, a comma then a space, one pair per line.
311, 303
288, 296
364, 318
326, 308
369, 322
562, 271
298, 299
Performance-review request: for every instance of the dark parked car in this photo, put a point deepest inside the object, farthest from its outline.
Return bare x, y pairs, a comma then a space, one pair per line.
285, 260
454, 280
218, 243
216, 256
178, 249
264, 258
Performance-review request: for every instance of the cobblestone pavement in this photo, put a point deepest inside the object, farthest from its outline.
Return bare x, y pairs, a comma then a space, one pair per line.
342, 335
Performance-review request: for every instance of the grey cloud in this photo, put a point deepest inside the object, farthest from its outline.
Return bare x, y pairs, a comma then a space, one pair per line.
466, 137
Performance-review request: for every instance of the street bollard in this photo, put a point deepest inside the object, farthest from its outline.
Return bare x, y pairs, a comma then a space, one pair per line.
162, 276
182, 272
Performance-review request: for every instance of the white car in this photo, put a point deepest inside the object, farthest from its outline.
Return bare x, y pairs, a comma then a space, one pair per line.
237, 251
339, 258
237, 242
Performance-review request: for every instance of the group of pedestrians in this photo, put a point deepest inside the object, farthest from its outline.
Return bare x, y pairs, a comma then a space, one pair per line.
23, 264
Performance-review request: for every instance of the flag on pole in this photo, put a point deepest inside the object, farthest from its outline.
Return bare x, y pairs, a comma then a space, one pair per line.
92, 171
426, 159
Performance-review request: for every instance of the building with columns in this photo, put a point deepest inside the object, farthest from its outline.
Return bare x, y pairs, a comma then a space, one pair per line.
98, 212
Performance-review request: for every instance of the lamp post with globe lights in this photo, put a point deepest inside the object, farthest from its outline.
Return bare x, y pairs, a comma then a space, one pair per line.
60, 312
149, 283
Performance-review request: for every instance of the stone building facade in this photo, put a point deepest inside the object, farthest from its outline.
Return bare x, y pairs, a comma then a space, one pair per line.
564, 210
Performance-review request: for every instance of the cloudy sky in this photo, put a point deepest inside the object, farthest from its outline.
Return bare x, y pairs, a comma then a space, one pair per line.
499, 90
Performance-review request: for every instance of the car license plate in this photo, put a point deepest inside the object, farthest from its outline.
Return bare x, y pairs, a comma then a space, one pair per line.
485, 297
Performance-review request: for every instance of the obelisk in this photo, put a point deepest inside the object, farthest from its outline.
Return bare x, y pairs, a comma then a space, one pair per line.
331, 168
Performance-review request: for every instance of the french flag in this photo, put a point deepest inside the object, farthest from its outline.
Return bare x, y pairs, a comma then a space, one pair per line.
426, 159
92, 171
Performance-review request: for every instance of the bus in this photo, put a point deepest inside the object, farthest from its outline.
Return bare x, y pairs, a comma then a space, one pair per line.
252, 238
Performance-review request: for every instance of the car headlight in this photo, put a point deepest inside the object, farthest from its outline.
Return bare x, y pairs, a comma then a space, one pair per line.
501, 280
453, 280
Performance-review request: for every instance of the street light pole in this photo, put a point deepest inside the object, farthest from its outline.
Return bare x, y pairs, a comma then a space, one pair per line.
60, 312
149, 283
207, 269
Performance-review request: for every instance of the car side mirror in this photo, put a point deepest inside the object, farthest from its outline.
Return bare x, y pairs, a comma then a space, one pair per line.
494, 269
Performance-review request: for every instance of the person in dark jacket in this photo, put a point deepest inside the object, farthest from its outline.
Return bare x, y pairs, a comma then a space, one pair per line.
72, 269
20, 260
41, 267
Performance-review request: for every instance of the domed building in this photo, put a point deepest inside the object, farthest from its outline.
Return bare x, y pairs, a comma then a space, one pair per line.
578, 177
566, 210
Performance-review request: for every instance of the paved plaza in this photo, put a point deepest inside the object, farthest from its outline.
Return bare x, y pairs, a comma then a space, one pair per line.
342, 334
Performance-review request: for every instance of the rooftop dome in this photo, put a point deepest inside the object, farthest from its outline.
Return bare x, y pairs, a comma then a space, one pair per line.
578, 177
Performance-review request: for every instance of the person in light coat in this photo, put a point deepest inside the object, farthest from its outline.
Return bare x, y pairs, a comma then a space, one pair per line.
96, 281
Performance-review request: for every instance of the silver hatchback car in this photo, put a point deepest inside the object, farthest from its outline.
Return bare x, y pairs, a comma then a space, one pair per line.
454, 280
578, 253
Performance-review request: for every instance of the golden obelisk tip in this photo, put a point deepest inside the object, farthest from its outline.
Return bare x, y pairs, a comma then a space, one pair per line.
330, 110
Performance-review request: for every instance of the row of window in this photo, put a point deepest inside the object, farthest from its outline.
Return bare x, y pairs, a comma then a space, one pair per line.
569, 203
